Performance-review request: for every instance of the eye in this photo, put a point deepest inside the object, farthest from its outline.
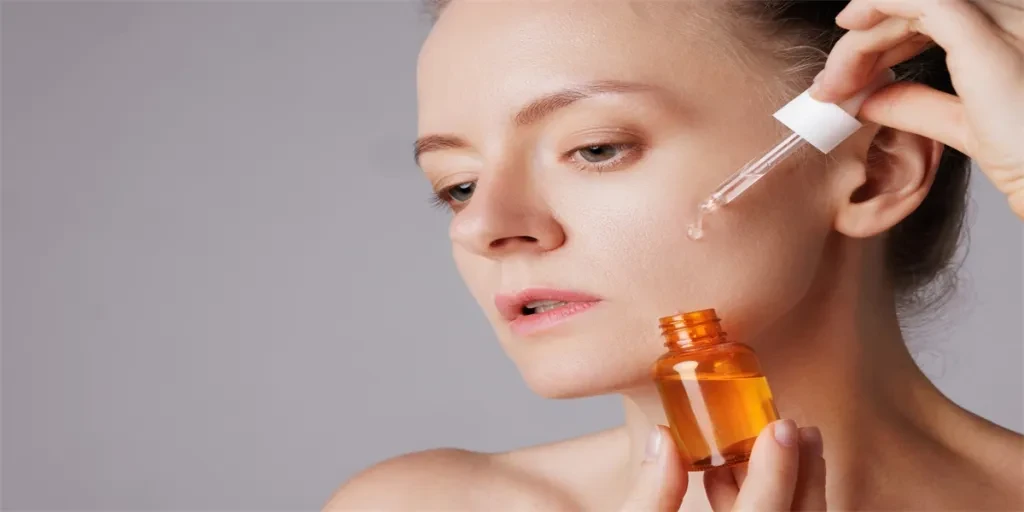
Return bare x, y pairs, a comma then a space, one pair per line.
462, 192
605, 157
599, 153
453, 197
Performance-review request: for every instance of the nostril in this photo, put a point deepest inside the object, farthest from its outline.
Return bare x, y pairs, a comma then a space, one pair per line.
505, 242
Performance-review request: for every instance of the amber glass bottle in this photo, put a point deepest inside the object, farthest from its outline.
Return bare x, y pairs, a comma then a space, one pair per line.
715, 397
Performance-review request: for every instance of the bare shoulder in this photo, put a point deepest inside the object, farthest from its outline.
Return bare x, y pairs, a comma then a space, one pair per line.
409, 481
1005, 456
997, 473
554, 476
443, 479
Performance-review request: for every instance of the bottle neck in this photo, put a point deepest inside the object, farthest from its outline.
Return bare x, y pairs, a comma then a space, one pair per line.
700, 328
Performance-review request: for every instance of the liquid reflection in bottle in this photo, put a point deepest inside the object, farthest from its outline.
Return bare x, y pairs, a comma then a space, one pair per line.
715, 397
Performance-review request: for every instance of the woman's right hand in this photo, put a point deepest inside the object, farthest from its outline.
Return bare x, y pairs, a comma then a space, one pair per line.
786, 472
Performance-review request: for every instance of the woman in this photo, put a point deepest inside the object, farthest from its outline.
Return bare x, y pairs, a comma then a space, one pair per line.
572, 141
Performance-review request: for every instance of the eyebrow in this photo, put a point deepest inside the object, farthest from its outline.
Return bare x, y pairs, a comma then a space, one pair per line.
537, 110
545, 105
437, 143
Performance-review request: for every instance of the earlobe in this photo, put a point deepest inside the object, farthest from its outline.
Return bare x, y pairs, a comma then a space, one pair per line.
887, 183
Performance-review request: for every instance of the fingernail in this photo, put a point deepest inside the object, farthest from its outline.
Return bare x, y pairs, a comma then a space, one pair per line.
786, 433
653, 445
814, 90
816, 87
810, 437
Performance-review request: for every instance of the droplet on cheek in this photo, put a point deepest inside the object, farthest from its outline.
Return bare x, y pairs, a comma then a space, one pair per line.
695, 231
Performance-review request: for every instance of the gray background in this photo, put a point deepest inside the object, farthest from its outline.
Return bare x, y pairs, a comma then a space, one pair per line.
224, 288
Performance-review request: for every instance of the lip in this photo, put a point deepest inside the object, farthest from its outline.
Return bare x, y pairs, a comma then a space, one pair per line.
511, 306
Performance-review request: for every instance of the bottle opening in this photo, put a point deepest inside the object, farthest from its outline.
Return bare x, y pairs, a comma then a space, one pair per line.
691, 327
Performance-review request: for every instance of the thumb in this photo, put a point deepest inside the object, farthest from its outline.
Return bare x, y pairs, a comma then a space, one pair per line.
662, 480
917, 108
772, 470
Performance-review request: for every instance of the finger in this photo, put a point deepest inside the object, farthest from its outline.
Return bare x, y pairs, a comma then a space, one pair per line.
810, 481
662, 480
859, 15
1008, 14
721, 489
862, 14
917, 108
855, 58
772, 469
904, 51
957, 25
974, 45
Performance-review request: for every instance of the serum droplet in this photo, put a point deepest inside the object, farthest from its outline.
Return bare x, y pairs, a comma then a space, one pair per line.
694, 232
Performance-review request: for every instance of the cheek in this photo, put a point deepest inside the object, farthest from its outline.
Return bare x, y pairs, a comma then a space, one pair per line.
757, 259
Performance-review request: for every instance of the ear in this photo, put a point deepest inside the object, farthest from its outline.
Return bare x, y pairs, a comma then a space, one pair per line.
881, 186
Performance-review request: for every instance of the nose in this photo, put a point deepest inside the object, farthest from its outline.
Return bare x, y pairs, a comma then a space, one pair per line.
506, 216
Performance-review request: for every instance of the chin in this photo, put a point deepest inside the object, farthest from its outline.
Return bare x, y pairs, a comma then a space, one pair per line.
582, 366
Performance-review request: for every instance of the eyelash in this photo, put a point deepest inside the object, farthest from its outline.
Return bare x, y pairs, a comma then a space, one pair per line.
626, 151
442, 198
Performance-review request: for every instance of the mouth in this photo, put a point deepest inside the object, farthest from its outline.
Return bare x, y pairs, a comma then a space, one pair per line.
541, 306
535, 309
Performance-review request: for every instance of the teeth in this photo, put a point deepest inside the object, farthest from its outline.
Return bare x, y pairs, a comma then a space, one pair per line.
540, 306
540, 303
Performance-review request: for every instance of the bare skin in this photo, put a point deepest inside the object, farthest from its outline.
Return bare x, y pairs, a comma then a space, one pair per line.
815, 303
950, 460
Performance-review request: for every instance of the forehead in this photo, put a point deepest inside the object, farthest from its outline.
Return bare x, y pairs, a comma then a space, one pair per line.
490, 56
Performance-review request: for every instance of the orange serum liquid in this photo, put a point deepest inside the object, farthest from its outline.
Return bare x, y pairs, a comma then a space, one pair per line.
714, 395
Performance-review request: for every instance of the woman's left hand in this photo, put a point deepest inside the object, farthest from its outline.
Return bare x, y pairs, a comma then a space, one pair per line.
984, 44
786, 472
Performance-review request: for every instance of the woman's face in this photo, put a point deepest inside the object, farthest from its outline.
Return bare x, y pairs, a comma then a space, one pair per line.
573, 141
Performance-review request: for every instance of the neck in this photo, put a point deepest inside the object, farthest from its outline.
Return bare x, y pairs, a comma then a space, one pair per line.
841, 365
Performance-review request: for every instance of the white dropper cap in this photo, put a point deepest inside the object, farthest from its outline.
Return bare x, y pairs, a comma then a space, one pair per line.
826, 125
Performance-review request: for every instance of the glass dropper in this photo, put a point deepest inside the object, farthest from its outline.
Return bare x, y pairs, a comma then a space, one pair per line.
819, 124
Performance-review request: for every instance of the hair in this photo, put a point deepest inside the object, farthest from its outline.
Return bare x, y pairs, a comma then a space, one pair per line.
921, 250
